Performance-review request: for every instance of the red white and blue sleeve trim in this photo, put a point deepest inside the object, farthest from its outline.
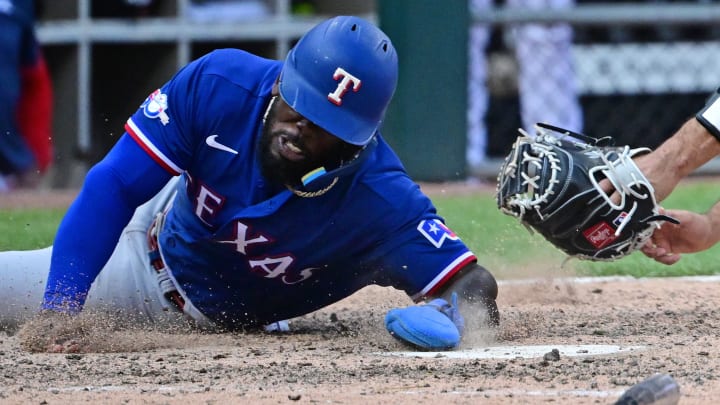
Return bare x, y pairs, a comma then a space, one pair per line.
137, 134
446, 274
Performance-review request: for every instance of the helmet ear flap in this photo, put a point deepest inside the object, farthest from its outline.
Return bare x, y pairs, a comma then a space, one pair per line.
341, 75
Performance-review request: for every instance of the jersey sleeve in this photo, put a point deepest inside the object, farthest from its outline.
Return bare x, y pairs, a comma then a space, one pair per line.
166, 120
223, 91
423, 257
413, 249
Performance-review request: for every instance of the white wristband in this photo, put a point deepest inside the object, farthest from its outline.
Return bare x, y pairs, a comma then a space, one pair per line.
709, 116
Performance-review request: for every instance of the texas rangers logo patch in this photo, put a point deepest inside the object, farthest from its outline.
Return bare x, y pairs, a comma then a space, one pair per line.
155, 106
436, 232
600, 234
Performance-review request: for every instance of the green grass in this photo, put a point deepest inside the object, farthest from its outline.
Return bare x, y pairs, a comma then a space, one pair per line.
501, 243
25, 229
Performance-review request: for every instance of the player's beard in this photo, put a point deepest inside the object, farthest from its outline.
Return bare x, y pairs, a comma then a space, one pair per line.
279, 170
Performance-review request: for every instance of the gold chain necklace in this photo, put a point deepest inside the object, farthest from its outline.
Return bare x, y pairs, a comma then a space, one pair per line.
311, 194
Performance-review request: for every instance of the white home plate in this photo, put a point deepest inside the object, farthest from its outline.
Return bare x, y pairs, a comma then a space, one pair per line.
527, 352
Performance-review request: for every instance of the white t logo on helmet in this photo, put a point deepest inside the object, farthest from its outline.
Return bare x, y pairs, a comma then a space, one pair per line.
348, 81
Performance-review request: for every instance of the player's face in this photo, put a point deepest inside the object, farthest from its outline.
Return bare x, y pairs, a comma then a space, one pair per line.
292, 146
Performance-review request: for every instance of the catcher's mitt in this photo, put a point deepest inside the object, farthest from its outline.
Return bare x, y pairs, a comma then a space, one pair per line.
551, 184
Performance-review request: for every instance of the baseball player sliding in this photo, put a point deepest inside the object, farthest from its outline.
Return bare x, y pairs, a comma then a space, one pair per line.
249, 191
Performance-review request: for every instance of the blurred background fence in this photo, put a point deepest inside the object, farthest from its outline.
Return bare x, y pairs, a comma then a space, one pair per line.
642, 67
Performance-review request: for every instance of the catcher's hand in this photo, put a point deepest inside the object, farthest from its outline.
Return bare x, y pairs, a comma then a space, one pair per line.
551, 184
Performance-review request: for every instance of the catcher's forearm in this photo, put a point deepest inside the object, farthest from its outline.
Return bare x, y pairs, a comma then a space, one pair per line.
691, 147
697, 141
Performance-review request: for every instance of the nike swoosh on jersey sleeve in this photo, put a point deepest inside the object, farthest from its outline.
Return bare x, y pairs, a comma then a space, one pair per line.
212, 142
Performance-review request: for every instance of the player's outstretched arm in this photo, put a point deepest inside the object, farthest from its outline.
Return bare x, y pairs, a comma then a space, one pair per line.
477, 291
466, 301
88, 233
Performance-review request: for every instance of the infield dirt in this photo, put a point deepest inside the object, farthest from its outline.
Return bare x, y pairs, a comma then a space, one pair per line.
332, 356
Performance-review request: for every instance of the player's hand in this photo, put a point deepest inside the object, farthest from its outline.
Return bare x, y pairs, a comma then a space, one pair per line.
654, 170
51, 332
694, 233
436, 325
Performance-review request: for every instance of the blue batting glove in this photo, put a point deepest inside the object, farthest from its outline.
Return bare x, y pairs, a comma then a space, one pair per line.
436, 325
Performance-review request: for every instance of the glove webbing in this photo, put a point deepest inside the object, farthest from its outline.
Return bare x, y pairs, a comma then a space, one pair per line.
529, 200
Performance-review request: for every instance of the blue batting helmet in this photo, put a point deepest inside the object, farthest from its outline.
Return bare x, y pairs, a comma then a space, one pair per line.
341, 76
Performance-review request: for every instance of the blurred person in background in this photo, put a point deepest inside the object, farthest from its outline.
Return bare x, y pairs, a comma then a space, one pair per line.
26, 150
546, 79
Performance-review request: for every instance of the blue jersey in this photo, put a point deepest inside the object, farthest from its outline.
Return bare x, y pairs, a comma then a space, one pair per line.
249, 252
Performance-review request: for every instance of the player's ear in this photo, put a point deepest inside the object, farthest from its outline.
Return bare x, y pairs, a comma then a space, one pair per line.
276, 87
